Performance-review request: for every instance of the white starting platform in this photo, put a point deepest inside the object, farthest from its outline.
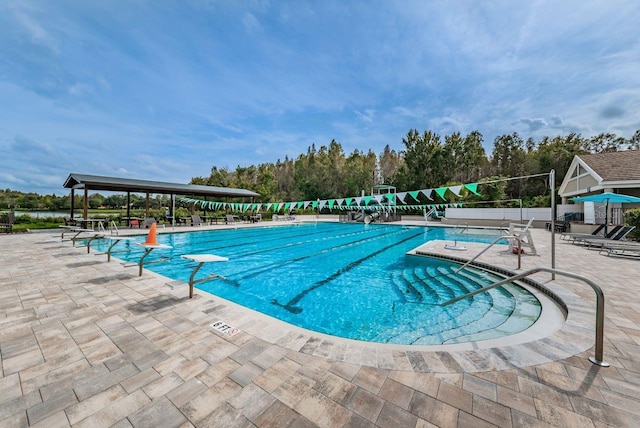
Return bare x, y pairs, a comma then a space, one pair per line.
148, 248
201, 259
79, 231
114, 240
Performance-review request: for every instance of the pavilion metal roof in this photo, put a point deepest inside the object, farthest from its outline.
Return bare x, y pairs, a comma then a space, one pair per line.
116, 184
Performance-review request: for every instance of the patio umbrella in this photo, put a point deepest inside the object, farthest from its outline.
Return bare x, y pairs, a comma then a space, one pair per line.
605, 198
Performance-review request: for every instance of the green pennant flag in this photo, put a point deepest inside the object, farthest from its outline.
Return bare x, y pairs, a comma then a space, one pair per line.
299, 204
366, 200
331, 202
391, 198
414, 194
473, 188
314, 204
347, 201
441, 191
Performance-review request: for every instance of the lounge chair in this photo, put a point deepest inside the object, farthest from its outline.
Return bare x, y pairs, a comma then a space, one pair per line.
621, 249
570, 236
6, 222
581, 239
521, 237
195, 220
595, 243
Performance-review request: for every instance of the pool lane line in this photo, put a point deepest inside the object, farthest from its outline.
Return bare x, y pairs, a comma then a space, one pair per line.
211, 235
291, 304
308, 241
244, 243
263, 268
389, 231
228, 279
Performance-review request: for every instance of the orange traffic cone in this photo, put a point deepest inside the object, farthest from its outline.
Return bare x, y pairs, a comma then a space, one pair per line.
152, 236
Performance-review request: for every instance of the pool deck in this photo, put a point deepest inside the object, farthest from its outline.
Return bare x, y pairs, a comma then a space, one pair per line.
88, 343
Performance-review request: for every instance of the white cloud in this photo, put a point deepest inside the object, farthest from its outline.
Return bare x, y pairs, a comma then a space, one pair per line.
251, 24
241, 83
36, 32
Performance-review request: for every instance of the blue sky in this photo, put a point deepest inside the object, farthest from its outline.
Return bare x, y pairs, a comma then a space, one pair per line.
164, 90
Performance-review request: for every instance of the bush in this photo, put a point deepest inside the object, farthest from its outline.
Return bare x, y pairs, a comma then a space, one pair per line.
24, 222
632, 218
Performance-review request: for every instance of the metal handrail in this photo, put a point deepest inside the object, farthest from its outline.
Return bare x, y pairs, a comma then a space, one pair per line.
599, 303
491, 245
459, 226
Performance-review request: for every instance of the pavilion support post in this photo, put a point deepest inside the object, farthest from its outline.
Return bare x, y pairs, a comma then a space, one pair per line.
552, 184
128, 204
146, 211
85, 213
73, 196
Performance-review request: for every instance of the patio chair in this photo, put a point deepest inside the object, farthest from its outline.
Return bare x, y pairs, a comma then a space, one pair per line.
570, 236
596, 243
581, 239
230, 219
195, 220
521, 237
6, 222
621, 249
148, 222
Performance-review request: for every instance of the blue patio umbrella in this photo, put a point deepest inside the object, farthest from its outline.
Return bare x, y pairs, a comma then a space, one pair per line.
605, 198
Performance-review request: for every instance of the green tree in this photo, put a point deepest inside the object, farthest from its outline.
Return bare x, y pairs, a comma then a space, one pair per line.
508, 160
602, 143
390, 163
466, 156
425, 162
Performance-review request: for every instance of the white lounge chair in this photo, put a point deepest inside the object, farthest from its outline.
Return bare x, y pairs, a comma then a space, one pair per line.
521, 237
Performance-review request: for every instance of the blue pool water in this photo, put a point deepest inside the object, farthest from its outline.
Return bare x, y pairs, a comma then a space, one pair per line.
350, 280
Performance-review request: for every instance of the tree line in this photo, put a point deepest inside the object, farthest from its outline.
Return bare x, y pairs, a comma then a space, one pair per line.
426, 160
16, 200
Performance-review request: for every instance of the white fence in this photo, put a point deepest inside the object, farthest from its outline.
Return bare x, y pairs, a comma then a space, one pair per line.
507, 214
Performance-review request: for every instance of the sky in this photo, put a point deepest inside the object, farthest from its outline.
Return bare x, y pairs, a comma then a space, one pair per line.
165, 90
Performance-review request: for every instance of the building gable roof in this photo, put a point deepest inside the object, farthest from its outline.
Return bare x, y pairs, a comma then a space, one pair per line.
614, 166
590, 173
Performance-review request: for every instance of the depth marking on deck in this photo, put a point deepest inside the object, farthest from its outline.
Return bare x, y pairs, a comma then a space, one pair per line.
225, 328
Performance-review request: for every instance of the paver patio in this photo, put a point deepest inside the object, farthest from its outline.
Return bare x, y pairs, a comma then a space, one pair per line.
88, 343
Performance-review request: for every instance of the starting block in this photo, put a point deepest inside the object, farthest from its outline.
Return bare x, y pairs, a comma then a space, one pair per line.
201, 259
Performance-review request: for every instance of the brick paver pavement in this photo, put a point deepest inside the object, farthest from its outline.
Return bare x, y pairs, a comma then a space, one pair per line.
88, 343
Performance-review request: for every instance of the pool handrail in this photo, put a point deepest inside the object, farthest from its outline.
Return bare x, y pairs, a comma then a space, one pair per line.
596, 288
489, 246
463, 226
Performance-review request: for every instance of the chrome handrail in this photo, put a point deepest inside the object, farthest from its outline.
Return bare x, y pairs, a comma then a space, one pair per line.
114, 227
459, 226
491, 245
596, 288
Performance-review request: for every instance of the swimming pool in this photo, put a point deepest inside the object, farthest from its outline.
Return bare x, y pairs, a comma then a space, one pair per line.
351, 280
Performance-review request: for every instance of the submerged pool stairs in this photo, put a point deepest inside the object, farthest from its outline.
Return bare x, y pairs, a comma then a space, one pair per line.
424, 289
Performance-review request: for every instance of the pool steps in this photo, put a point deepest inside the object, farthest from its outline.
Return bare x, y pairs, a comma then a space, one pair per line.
459, 323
